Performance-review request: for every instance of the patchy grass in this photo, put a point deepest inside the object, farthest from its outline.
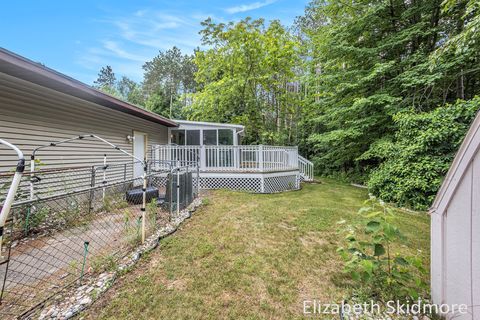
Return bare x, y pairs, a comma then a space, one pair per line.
250, 256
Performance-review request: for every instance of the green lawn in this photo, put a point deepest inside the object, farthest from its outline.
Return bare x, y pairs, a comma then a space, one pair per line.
250, 256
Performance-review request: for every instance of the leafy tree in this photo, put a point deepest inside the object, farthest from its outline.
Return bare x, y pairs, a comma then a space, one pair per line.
419, 155
247, 76
106, 80
130, 91
170, 74
367, 61
160, 104
373, 259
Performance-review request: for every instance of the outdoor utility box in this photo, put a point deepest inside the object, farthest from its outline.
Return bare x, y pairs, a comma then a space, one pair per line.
185, 196
135, 196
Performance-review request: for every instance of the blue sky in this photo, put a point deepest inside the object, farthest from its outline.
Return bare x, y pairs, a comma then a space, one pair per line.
79, 37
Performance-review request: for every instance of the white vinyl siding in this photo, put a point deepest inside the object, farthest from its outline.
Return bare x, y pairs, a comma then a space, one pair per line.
457, 276
31, 116
455, 247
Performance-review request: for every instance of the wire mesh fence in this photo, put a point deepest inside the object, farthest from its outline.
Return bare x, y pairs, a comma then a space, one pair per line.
67, 223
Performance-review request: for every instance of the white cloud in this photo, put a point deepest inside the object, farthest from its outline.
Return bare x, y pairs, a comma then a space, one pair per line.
249, 7
131, 40
115, 49
159, 30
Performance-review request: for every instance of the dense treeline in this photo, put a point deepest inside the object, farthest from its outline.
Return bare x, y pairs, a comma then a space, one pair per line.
377, 92
381, 71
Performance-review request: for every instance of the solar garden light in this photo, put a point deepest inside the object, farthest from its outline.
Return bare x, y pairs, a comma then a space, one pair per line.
81, 137
7, 205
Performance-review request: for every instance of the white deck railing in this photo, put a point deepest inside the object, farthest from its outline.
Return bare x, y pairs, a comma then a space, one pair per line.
252, 158
306, 169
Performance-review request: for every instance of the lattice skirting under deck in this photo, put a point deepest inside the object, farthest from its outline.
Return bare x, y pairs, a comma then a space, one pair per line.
249, 182
281, 183
252, 182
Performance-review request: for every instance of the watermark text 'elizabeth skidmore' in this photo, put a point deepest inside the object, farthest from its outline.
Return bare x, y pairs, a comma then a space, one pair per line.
315, 307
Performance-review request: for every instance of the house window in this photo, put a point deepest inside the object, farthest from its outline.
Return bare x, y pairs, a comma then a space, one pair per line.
193, 137
210, 137
178, 137
225, 137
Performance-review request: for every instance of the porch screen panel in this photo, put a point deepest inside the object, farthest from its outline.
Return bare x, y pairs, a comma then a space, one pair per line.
226, 154
210, 137
225, 137
193, 139
177, 137
211, 154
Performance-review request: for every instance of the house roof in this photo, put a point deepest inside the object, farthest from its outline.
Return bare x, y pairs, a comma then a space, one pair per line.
210, 124
25, 69
466, 153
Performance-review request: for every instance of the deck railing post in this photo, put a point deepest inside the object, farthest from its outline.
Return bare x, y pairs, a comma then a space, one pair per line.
295, 159
202, 158
260, 158
236, 157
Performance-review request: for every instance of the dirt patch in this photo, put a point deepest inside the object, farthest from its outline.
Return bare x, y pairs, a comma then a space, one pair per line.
178, 284
286, 226
312, 239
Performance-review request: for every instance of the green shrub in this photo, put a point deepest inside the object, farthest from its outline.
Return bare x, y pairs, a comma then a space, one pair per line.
419, 156
374, 260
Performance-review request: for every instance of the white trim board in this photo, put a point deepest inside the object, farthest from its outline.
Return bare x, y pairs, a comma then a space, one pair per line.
199, 124
204, 174
467, 151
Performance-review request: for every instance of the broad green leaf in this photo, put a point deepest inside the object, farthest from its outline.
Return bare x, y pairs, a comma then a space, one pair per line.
378, 250
367, 266
401, 261
373, 226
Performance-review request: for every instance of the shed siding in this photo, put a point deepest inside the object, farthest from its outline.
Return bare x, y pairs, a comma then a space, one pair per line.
457, 239
31, 115
475, 231
436, 253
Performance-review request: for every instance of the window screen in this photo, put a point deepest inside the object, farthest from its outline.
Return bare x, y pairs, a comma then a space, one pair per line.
178, 137
210, 137
225, 137
193, 137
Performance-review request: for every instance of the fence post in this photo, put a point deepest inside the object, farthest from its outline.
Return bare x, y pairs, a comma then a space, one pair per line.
104, 176
125, 178
171, 191
178, 191
92, 191
32, 171
198, 180
144, 200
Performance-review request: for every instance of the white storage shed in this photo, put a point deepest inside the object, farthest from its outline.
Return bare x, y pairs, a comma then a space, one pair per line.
455, 231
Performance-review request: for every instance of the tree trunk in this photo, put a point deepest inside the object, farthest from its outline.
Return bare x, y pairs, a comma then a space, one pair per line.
460, 86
